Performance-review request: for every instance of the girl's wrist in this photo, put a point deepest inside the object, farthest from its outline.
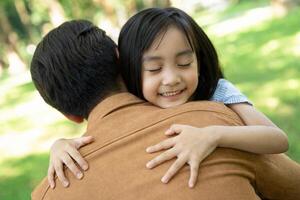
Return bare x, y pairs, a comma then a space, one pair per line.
216, 133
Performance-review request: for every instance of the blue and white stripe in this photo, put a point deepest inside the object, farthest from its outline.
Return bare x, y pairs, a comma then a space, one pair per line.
227, 93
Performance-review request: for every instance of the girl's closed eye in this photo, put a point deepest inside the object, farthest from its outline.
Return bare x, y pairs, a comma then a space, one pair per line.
185, 60
185, 64
153, 69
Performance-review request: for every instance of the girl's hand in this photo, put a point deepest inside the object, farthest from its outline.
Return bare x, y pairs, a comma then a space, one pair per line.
65, 151
191, 145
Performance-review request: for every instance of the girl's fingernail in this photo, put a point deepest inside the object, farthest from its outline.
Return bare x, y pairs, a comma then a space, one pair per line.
149, 165
191, 185
85, 167
148, 149
79, 175
164, 180
66, 183
52, 185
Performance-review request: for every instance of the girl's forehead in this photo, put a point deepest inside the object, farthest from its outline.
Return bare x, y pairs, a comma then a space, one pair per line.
172, 34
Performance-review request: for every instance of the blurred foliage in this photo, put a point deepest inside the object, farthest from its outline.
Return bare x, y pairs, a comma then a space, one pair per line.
24, 22
262, 60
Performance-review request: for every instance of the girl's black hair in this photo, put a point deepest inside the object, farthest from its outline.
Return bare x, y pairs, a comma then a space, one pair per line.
138, 34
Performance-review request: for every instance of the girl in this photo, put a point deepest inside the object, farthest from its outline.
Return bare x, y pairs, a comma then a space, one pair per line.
168, 60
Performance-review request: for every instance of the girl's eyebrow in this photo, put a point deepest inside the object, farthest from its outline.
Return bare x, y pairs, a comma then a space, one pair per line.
153, 58
185, 52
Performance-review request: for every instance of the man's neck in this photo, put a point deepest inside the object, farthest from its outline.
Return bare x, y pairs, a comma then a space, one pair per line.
113, 93
120, 89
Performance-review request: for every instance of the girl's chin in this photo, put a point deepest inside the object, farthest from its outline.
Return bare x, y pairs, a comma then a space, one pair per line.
170, 104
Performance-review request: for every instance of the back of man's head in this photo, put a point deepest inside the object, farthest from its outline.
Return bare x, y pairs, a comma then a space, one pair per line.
74, 67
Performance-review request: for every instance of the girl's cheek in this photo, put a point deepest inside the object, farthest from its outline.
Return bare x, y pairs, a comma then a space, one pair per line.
150, 87
145, 86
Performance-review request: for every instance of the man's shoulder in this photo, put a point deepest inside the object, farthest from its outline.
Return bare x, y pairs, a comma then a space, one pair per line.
40, 190
211, 108
206, 105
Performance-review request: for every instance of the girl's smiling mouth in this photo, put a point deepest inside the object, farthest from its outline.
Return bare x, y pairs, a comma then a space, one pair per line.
171, 93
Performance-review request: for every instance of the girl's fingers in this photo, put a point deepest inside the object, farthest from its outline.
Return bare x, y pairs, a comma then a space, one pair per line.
176, 128
167, 155
82, 141
60, 174
78, 158
194, 163
194, 167
166, 144
50, 177
170, 132
67, 160
175, 167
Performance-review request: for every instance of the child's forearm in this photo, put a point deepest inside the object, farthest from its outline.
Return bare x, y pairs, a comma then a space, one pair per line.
255, 139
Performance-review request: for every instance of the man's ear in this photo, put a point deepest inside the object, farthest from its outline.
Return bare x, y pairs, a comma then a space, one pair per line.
117, 52
74, 118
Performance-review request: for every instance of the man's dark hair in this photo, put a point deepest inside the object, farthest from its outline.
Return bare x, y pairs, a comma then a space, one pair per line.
140, 31
74, 67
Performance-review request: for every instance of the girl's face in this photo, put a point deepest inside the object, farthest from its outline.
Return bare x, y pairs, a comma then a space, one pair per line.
169, 70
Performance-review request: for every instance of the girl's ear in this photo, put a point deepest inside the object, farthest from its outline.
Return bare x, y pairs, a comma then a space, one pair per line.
74, 118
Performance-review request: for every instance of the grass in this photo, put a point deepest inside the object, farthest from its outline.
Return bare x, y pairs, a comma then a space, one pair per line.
20, 176
262, 60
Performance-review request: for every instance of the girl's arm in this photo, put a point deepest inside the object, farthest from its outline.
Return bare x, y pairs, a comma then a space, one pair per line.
259, 136
192, 144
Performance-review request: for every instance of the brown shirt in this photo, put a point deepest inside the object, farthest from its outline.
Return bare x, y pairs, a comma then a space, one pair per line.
124, 126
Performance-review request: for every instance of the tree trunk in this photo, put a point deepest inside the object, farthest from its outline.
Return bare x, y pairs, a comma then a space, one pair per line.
10, 41
281, 7
56, 12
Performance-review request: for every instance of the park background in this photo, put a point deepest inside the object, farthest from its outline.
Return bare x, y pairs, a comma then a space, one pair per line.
258, 42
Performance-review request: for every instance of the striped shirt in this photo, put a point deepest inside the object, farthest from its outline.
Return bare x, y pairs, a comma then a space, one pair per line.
227, 93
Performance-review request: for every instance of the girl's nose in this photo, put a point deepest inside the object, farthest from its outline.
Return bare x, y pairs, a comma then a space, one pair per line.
171, 77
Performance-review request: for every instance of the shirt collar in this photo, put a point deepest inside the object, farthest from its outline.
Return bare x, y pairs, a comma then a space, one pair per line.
113, 103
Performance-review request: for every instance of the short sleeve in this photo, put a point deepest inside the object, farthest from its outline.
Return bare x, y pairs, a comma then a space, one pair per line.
227, 93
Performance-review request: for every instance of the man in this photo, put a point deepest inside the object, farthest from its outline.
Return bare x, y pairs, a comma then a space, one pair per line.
75, 70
